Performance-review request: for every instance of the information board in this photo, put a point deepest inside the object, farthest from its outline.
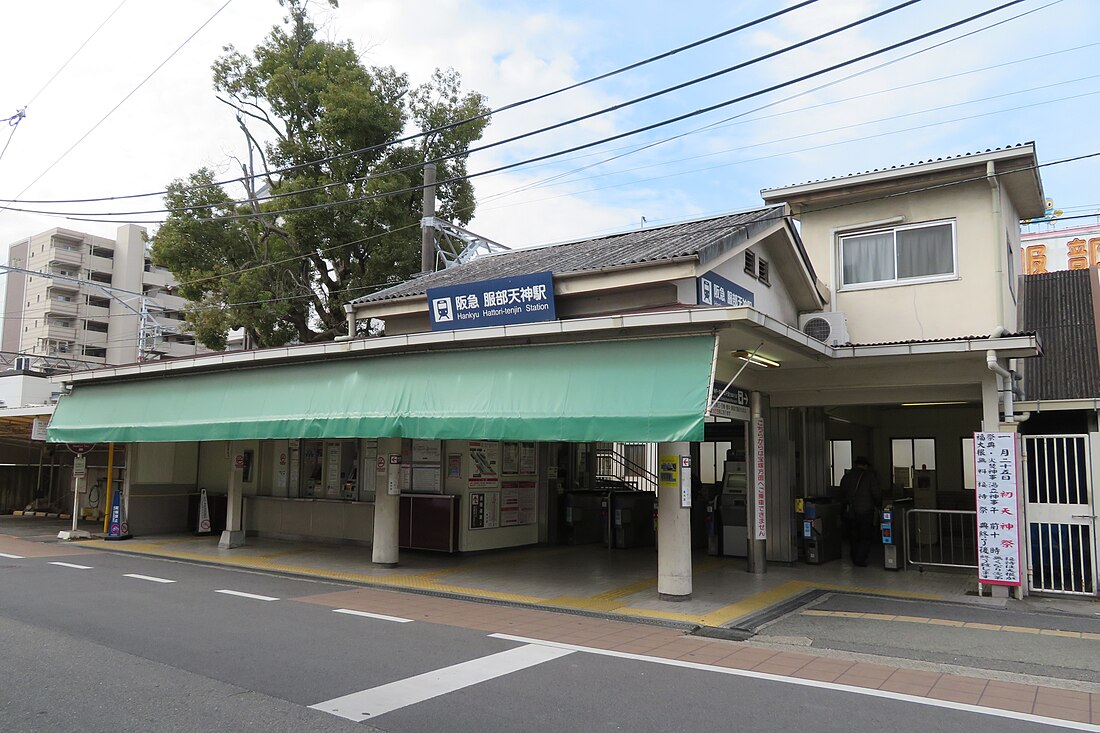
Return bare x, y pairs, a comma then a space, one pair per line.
717, 290
998, 508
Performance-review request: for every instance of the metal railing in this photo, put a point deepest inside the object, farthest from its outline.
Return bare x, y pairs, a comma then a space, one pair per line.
944, 538
612, 464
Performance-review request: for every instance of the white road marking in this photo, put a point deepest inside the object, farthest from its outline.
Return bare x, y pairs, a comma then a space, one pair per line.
148, 577
246, 595
12, 557
71, 565
965, 707
359, 706
380, 616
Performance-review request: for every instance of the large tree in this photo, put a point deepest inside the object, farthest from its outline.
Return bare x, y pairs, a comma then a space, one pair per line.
279, 254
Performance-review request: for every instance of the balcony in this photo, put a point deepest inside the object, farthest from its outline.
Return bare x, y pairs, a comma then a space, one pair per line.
61, 307
157, 277
56, 332
64, 256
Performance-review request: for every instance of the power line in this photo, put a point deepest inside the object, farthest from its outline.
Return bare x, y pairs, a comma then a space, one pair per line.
122, 101
83, 216
451, 125
541, 130
74, 53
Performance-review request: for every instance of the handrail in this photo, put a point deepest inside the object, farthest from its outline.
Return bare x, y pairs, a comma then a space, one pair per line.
648, 478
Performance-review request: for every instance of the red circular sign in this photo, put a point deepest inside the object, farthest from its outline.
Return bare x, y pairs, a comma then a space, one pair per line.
238, 460
380, 464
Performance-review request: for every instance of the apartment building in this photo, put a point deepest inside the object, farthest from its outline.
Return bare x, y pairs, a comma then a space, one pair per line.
100, 301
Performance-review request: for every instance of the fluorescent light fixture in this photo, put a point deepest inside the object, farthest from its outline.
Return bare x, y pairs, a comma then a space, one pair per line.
933, 404
755, 359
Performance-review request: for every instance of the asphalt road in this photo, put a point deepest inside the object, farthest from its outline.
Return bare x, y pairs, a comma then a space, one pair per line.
94, 649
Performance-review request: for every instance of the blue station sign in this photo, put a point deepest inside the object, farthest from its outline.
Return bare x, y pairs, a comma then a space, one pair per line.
501, 302
717, 290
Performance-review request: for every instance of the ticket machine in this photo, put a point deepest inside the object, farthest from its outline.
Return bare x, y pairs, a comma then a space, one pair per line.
733, 510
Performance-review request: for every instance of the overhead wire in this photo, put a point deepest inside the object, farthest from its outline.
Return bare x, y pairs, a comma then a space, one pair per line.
121, 102
84, 216
450, 125
530, 133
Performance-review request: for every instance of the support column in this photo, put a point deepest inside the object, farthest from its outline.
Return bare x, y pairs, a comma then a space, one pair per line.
673, 527
233, 536
387, 505
758, 545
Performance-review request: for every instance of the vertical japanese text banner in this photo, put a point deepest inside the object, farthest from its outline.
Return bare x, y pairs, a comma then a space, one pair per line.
998, 508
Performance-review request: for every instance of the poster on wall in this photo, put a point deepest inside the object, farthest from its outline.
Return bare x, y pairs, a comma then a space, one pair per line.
332, 470
998, 508
528, 502
295, 463
484, 509
426, 479
484, 464
668, 472
509, 504
454, 465
510, 461
427, 451
527, 461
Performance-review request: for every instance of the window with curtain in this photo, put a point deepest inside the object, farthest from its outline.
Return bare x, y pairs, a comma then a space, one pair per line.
894, 256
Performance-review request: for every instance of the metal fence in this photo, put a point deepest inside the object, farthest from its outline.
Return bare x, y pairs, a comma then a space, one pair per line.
941, 538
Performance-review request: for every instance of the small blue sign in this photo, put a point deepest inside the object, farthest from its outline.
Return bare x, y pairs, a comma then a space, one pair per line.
502, 302
717, 290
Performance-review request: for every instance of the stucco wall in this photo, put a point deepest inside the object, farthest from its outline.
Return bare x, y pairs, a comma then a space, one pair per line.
958, 307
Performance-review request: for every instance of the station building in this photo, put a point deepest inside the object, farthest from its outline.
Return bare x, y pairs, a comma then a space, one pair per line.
739, 362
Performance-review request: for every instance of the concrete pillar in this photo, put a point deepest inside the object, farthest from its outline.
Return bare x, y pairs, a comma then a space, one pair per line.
673, 531
758, 547
233, 535
387, 506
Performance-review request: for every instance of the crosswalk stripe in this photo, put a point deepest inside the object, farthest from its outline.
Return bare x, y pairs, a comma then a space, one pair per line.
11, 557
71, 565
359, 706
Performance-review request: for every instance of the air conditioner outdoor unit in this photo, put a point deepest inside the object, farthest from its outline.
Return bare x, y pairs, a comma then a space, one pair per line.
828, 327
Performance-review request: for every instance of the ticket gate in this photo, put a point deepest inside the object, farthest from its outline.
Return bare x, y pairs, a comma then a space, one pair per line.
893, 531
629, 516
822, 529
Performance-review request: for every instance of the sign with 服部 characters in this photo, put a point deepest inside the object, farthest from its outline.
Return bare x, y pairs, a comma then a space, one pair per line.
501, 302
717, 290
998, 508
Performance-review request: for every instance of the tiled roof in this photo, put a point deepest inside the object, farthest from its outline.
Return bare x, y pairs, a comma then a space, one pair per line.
902, 166
705, 239
1059, 305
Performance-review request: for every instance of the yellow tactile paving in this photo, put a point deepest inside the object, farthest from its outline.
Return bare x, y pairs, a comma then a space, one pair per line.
950, 622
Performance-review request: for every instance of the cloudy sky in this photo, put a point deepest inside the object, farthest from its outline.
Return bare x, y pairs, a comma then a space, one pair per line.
996, 81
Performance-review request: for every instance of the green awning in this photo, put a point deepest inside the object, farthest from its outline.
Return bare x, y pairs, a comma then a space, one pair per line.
646, 390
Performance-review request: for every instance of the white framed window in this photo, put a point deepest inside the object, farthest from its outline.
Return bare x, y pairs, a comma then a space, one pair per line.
900, 255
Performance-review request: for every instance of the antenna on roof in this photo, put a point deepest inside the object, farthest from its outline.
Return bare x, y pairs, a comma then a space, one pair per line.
642, 225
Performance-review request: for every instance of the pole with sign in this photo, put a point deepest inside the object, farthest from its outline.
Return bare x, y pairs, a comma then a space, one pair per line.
79, 474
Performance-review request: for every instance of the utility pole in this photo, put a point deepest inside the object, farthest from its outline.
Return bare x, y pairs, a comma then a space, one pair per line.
427, 232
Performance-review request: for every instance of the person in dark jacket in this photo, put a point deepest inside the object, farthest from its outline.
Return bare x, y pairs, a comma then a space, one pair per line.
863, 497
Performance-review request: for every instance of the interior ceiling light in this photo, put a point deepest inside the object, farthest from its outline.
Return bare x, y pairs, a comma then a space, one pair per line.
755, 359
933, 404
